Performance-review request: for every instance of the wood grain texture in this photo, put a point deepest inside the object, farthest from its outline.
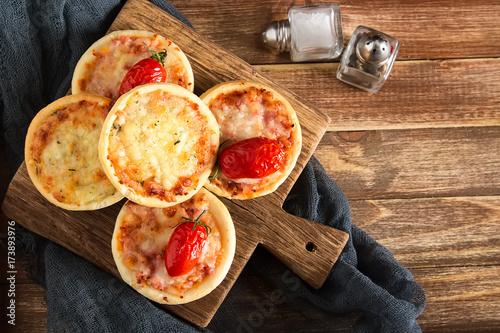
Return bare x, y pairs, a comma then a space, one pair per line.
31, 309
434, 232
413, 163
460, 299
419, 178
216, 66
29, 297
289, 238
88, 233
427, 29
451, 293
418, 94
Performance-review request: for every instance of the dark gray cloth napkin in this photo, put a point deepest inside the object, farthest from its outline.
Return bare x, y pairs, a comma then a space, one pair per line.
40, 43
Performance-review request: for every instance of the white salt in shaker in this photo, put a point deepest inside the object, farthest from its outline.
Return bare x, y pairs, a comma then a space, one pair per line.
368, 59
310, 33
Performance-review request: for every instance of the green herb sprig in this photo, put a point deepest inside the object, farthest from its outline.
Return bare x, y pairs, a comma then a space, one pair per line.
196, 223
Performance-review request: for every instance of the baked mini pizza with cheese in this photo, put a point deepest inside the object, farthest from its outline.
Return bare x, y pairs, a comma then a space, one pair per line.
163, 262
62, 157
104, 65
260, 139
159, 144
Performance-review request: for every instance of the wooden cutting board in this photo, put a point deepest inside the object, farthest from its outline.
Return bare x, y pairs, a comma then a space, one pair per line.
309, 249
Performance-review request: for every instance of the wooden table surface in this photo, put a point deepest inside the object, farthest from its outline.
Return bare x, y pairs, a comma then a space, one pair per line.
419, 161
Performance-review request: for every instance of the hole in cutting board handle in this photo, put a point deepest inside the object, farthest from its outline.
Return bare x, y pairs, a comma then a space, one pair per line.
311, 247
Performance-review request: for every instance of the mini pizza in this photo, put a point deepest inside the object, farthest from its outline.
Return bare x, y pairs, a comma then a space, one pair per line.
62, 157
159, 144
104, 66
260, 137
162, 254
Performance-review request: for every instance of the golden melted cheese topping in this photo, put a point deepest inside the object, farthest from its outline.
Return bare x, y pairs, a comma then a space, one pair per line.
244, 110
62, 152
103, 67
159, 145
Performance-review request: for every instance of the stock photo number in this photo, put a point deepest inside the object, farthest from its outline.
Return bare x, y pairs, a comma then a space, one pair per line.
11, 272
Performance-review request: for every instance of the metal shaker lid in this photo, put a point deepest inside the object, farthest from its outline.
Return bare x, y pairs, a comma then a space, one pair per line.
373, 48
277, 36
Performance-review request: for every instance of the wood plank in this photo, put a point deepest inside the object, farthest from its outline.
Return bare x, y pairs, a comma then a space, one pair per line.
31, 309
420, 232
434, 231
217, 66
418, 94
21, 274
260, 304
429, 227
409, 164
213, 65
88, 233
427, 29
460, 299
443, 162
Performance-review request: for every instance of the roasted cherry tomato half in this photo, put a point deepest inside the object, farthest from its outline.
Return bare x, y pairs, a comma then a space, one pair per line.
149, 70
252, 158
185, 246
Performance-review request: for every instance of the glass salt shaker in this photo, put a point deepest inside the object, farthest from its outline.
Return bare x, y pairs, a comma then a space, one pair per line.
368, 59
310, 33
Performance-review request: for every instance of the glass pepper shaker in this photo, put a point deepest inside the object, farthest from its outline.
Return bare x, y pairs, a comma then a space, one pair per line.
310, 33
368, 59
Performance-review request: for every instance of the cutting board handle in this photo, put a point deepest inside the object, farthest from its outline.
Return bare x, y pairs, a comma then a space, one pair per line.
308, 248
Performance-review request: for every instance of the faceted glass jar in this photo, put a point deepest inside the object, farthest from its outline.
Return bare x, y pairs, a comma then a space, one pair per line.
316, 32
368, 59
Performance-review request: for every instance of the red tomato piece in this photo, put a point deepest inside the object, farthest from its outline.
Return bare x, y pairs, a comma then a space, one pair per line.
252, 158
145, 71
185, 246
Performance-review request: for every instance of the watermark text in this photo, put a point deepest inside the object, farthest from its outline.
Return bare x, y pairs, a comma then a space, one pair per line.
11, 272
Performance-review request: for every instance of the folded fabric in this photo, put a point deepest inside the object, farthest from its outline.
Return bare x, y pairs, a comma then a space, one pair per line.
40, 42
